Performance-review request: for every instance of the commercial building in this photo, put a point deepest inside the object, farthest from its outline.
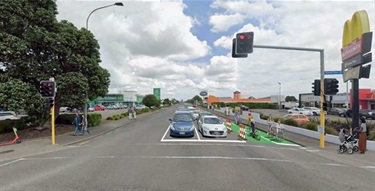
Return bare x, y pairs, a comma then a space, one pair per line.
238, 98
366, 99
127, 98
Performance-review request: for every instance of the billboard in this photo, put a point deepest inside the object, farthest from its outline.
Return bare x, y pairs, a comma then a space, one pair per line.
157, 93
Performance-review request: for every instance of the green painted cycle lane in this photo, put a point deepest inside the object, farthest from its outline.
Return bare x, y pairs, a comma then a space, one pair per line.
264, 138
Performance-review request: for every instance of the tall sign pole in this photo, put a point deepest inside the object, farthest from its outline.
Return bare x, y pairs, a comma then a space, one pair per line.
355, 52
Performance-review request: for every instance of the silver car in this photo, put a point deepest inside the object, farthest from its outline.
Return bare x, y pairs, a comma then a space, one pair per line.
8, 115
212, 126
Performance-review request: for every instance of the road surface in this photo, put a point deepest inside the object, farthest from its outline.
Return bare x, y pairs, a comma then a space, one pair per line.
135, 157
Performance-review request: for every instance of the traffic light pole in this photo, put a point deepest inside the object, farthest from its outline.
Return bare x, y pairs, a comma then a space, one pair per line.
53, 122
321, 51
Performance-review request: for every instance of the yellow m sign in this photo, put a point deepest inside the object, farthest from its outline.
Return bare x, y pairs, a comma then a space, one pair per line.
356, 39
354, 28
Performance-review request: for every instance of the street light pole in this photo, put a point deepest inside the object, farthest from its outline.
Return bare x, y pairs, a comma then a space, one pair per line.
87, 28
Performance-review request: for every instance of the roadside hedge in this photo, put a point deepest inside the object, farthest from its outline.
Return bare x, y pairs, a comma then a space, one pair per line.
139, 111
6, 126
93, 119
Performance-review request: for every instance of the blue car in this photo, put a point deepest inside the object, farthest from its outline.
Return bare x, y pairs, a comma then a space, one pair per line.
182, 124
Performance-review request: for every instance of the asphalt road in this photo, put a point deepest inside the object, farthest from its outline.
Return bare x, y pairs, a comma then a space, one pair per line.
136, 158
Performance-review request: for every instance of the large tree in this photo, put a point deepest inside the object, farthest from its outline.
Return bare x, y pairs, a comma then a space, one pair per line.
150, 100
34, 46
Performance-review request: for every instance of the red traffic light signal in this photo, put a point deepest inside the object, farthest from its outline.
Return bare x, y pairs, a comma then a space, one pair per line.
244, 42
47, 89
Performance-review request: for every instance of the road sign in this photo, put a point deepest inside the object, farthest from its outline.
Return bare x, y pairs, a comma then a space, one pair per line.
203, 93
352, 73
332, 72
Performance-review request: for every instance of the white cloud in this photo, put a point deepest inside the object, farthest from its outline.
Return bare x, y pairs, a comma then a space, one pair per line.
224, 22
297, 24
151, 44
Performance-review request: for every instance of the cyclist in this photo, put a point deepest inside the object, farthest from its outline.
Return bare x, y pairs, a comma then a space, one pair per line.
279, 128
251, 123
270, 123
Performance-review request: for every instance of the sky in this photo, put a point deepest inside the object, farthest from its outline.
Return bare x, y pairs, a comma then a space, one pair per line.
184, 47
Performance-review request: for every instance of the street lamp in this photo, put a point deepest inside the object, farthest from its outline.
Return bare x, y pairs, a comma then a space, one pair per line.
87, 28
279, 95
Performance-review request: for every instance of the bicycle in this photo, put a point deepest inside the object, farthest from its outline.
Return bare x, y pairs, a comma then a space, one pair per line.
254, 134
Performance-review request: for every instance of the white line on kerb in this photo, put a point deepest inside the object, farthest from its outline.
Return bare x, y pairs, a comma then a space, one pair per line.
11, 162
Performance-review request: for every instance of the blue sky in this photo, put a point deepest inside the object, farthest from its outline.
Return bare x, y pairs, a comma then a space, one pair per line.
186, 46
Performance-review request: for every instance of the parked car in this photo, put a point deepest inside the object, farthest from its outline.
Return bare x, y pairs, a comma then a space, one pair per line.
64, 109
138, 107
337, 111
99, 108
182, 124
212, 126
314, 110
195, 113
297, 110
204, 113
367, 114
299, 118
8, 115
91, 109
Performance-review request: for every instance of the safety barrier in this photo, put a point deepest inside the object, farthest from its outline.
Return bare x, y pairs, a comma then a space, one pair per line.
242, 135
228, 124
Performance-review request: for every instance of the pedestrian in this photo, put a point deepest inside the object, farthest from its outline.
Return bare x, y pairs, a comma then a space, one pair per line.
130, 112
84, 125
236, 117
76, 123
134, 112
270, 123
362, 135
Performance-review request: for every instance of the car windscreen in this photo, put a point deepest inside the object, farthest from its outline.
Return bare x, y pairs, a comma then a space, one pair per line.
212, 120
182, 117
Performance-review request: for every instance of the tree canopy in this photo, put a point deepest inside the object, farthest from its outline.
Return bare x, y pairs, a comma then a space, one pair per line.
290, 98
150, 100
34, 46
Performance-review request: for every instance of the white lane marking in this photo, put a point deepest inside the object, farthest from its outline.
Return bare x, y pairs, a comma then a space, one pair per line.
220, 158
195, 140
201, 143
369, 167
287, 144
11, 162
47, 158
196, 132
165, 133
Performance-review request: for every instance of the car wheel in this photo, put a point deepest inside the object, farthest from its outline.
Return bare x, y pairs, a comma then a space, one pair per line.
342, 115
315, 114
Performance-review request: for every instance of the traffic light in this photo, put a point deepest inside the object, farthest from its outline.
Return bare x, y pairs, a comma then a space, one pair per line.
325, 106
244, 42
234, 55
47, 89
331, 86
316, 87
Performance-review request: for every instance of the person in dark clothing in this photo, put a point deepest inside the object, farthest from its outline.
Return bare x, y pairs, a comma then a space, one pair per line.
76, 123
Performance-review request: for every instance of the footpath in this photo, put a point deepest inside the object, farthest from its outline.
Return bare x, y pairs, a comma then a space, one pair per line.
310, 144
44, 145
